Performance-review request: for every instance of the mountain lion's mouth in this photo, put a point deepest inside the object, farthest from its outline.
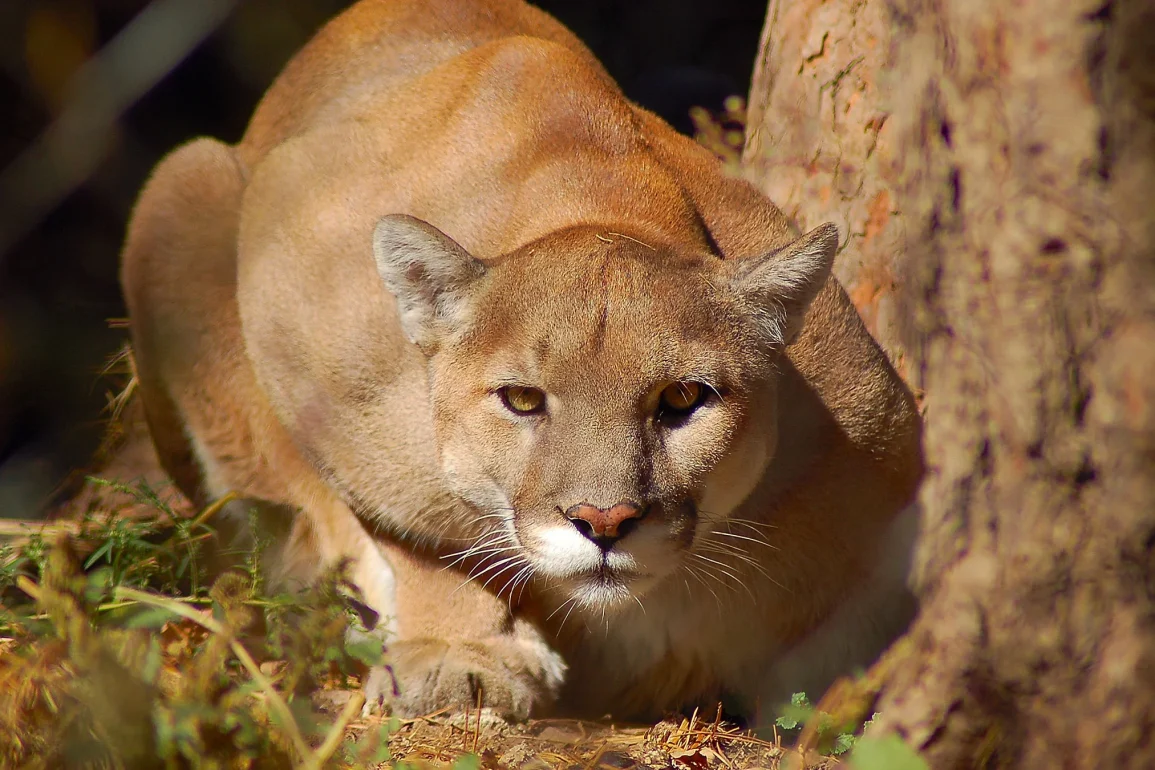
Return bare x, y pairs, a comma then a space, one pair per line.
608, 574
606, 586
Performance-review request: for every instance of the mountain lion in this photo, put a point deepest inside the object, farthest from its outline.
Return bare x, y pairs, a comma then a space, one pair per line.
595, 430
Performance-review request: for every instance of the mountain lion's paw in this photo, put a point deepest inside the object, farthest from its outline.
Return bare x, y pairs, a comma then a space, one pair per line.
428, 675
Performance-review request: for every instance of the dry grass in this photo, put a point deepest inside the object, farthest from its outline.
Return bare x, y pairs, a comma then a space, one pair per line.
133, 666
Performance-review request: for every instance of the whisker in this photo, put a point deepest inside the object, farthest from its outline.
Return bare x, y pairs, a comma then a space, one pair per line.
494, 576
719, 548
482, 541
560, 607
487, 516
472, 577
747, 561
482, 536
571, 603
491, 540
473, 549
722, 568
517, 584
571, 609
494, 565
484, 552
708, 539
707, 572
757, 526
719, 518
736, 536
516, 576
488, 550
694, 574
722, 547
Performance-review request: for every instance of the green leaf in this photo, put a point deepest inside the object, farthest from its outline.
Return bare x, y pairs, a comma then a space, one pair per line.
886, 753
152, 661
150, 617
382, 753
103, 550
842, 744
467, 762
97, 584
368, 651
794, 714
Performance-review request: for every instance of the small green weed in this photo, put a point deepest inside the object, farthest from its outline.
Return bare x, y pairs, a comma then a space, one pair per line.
833, 739
795, 714
865, 752
886, 753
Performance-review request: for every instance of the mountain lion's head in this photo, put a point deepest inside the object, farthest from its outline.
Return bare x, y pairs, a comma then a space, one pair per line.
603, 403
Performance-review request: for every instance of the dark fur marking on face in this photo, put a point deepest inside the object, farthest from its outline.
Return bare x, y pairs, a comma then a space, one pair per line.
541, 347
715, 249
599, 335
362, 392
685, 513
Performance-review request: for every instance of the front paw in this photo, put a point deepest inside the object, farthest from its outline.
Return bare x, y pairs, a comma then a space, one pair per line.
428, 675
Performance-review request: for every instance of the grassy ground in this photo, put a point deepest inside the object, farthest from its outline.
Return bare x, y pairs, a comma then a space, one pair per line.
117, 650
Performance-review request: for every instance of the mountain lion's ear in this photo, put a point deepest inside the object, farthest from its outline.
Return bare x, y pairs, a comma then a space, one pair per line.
427, 272
780, 285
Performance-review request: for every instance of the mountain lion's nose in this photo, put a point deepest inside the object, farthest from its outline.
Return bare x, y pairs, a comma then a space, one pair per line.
603, 526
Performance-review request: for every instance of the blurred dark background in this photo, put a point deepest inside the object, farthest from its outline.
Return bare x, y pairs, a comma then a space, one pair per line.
94, 92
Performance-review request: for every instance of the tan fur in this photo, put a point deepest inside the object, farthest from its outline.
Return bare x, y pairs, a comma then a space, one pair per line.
342, 368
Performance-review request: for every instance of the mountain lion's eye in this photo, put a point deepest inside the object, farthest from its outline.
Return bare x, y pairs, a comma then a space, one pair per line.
522, 400
681, 398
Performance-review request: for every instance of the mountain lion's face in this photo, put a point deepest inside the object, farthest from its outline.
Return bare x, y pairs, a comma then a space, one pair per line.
606, 412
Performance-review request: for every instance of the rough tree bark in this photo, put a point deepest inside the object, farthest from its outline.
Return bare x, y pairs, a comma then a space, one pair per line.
817, 134
1017, 157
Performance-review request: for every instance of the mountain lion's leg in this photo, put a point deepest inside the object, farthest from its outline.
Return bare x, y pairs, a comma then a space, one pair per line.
457, 641
177, 274
212, 426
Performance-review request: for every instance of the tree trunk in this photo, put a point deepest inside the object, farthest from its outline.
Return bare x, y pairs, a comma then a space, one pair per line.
1018, 165
817, 136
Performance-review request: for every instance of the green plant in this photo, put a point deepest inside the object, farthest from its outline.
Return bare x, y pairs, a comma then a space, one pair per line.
467, 762
888, 752
833, 739
795, 713
116, 654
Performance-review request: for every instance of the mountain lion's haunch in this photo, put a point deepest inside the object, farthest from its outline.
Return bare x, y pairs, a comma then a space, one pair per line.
455, 310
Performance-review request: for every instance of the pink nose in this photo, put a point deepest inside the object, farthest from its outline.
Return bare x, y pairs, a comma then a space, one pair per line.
599, 524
